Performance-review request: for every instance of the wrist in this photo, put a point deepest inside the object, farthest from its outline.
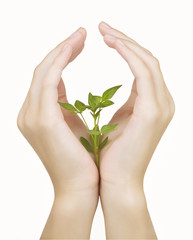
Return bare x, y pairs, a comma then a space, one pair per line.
71, 215
74, 186
125, 195
76, 206
77, 198
125, 211
133, 185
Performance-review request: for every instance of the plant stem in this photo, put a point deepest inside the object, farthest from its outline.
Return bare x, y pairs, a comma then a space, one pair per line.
97, 125
97, 160
84, 120
96, 145
98, 118
94, 139
85, 123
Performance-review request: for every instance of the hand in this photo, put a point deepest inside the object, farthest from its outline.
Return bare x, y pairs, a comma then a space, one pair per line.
142, 121
54, 134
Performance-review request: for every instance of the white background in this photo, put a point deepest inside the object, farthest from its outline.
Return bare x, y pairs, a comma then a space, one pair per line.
29, 30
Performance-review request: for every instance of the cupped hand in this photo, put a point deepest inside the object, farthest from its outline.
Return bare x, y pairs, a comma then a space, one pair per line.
142, 120
52, 131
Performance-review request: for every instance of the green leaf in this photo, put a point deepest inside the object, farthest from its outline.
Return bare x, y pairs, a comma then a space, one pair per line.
106, 103
94, 132
92, 138
87, 106
96, 114
104, 142
91, 100
94, 109
98, 138
68, 106
108, 128
86, 144
97, 99
80, 105
108, 94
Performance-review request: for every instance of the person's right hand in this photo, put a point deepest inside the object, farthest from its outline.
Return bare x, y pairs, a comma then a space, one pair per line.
52, 131
54, 134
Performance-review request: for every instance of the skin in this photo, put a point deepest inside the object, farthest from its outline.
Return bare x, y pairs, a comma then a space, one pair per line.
54, 134
142, 121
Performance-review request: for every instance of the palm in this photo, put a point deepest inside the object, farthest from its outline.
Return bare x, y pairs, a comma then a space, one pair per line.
123, 121
110, 155
77, 127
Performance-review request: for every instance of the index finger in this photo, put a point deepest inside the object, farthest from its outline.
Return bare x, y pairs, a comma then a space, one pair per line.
143, 75
49, 93
76, 40
72, 39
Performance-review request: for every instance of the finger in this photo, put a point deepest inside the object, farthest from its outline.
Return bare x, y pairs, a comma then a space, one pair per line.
145, 54
62, 97
49, 95
104, 28
131, 100
62, 91
141, 72
79, 34
127, 108
61, 87
151, 62
76, 40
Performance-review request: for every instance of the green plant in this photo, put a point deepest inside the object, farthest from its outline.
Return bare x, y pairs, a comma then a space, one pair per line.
95, 105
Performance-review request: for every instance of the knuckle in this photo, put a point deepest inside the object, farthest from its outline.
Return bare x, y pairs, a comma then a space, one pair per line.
155, 62
32, 93
158, 113
37, 70
168, 113
56, 62
56, 66
20, 121
172, 108
28, 122
148, 51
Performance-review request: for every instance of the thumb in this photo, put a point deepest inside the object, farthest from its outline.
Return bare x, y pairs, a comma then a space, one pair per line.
62, 92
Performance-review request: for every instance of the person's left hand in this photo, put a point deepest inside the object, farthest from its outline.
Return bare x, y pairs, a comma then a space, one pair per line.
142, 120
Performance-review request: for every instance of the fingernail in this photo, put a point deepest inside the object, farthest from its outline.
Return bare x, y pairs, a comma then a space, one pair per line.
76, 33
105, 25
81, 30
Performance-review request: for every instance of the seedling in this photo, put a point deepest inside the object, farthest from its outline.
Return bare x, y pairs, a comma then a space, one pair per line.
95, 105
